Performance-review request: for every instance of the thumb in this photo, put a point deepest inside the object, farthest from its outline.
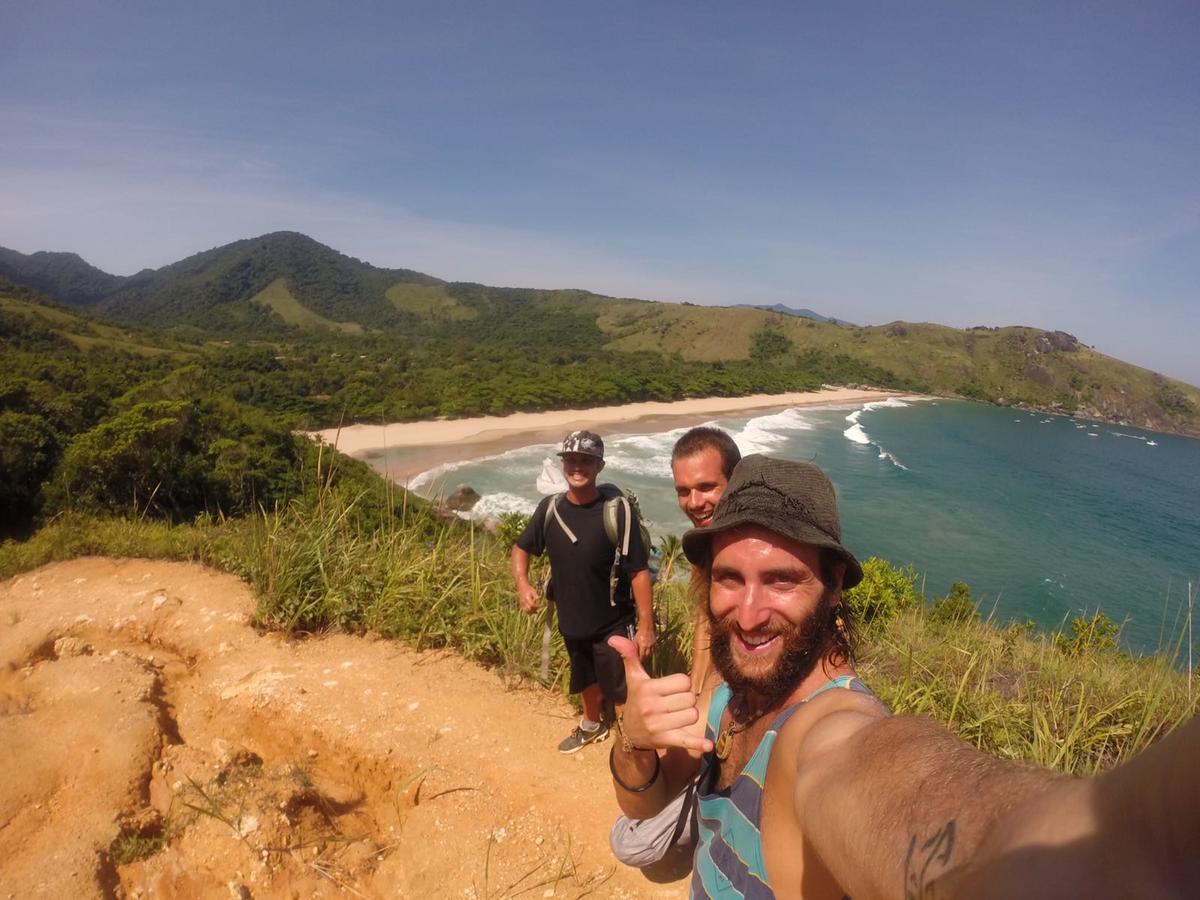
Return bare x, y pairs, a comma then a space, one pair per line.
628, 652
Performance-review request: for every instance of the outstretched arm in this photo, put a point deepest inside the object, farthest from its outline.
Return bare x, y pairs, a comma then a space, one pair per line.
901, 808
1131, 832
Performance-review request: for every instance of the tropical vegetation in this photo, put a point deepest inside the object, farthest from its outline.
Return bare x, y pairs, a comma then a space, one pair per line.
158, 415
351, 554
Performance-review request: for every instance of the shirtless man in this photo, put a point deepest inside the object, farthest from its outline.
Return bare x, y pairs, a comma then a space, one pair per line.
810, 789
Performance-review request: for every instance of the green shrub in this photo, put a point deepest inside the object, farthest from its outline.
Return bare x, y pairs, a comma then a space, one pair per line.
955, 607
884, 591
177, 458
510, 527
29, 448
1021, 628
1089, 634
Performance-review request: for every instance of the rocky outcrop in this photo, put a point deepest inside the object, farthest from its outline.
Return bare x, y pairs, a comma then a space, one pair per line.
1057, 340
462, 499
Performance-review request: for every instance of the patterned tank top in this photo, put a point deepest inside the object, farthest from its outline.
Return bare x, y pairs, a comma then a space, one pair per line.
729, 859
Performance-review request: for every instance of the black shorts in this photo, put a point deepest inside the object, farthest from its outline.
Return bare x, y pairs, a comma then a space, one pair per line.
594, 662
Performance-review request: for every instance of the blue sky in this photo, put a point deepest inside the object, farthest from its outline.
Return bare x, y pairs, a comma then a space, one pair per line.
961, 163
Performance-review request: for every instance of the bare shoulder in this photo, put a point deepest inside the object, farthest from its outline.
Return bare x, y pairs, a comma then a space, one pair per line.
825, 722
815, 732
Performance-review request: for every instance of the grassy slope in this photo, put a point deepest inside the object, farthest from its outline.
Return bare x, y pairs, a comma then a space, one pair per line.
430, 302
1011, 365
320, 565
86, 333
276, 297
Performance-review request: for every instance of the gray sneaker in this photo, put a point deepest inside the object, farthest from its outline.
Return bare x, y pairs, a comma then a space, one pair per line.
578, 739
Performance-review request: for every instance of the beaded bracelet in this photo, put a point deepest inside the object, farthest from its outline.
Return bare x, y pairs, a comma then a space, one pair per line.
612, 767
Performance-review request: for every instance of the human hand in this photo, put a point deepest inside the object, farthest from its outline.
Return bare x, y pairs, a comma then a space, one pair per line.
645, 640
529, 598
659, 712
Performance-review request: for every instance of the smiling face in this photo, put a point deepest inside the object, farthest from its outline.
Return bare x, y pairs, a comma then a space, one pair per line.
770, 613
699, 482
581, 470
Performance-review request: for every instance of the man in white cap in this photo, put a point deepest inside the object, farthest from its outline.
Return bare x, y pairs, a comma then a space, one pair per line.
600, 582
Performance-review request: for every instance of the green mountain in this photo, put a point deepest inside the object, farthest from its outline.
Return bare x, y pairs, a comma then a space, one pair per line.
64, 276
426, 347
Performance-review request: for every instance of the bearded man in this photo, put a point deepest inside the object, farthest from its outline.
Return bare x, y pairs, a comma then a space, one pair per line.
808, 788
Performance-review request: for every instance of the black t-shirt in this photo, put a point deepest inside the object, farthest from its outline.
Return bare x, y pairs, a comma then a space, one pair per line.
581, 570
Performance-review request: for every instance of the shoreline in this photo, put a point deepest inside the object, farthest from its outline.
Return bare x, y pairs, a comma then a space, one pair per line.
436, 442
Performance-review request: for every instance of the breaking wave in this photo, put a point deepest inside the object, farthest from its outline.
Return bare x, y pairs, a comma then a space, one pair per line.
429, 477
493, 506
858, 434
763, 434
643, 454
515, 461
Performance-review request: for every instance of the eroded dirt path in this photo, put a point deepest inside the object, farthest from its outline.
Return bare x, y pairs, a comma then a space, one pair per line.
153, 744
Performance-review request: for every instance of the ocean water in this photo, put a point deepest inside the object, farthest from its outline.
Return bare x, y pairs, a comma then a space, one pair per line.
1042, 516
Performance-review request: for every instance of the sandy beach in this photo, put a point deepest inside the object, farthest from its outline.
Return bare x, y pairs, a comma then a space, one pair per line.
437, 441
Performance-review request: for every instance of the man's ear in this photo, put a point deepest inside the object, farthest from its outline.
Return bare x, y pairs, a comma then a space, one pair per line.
600, 468
837, 575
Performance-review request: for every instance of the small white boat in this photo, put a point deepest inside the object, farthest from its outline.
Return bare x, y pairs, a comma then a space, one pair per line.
1151, 443
1093, 434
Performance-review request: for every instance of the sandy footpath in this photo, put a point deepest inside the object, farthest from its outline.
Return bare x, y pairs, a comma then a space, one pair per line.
439, 441
156, 745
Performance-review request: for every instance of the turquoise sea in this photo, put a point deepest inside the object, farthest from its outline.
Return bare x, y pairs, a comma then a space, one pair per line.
1043, 516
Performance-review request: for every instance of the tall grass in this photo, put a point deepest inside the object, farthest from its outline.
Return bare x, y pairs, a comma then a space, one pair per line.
215, 542
1073, 703
360, 562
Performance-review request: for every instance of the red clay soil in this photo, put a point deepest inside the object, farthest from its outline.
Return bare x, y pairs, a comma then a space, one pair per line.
154, 744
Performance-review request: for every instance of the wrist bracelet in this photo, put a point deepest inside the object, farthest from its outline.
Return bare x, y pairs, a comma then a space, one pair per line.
626, 744
612, 767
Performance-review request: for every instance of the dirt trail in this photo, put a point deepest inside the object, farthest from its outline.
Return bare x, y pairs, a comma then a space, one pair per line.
153, 744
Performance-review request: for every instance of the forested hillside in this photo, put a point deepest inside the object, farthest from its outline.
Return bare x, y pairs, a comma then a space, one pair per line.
176, 390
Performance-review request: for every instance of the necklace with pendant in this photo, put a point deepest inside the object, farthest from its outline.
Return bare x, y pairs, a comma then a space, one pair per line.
724, 742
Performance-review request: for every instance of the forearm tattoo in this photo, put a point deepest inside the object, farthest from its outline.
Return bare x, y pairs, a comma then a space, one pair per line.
925, 861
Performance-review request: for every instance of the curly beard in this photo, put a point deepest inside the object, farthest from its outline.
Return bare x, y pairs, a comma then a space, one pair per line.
803, 647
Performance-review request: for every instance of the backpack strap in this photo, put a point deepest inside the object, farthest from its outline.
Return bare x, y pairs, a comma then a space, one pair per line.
552, 510
548, 627
686, 823
612, 529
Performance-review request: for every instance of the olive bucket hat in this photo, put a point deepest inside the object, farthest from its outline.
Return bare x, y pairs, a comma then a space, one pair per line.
794, 499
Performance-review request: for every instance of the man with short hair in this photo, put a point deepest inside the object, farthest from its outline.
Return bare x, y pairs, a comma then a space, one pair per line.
702, 462
808, 788
599, 589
